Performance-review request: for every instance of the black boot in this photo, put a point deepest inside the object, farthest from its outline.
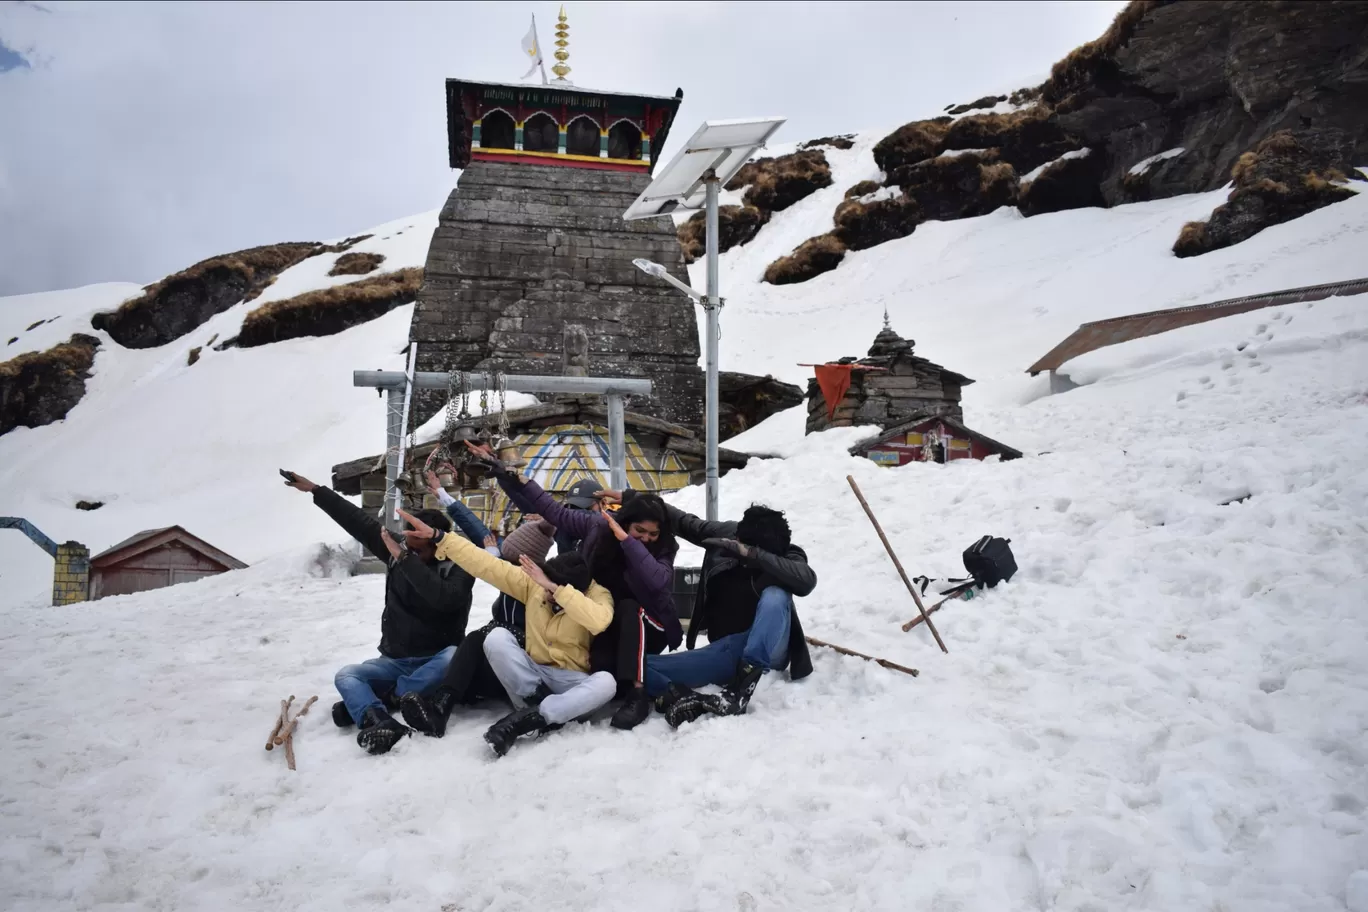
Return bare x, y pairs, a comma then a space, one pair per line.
732, 701
633, 710
341, 716
519, 722
672, 695
428, 715
379, 732
742, 687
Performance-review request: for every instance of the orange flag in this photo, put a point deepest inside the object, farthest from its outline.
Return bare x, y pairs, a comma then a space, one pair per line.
834, 379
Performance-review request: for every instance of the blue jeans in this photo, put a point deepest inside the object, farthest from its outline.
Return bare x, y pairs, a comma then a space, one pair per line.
765, 645
417, 675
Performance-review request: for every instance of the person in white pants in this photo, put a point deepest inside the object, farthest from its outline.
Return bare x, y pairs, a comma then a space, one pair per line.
572, 693
549, 683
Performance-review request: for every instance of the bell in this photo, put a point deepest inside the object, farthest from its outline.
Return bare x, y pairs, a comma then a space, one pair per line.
508, 452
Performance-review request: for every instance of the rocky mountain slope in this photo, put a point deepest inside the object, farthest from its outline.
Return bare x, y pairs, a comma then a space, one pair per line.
1175, 98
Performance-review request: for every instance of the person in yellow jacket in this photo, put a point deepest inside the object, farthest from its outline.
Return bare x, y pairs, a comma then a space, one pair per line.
549, 682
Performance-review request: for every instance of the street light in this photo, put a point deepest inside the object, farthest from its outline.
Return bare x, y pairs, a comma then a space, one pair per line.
711, 157
652, 268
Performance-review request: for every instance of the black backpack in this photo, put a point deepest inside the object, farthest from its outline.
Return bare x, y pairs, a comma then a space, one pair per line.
989, 561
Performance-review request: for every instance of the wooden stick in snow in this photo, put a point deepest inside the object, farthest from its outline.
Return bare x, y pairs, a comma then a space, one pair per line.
932, 610
860, 655
289, 751
897, 563
289, 728
280, 723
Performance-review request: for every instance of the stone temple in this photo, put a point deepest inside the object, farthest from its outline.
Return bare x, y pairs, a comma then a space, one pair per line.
533, 240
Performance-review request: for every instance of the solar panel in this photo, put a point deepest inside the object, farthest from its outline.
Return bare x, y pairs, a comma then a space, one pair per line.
720, 146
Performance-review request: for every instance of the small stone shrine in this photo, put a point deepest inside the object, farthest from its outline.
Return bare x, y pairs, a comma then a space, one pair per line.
887, 387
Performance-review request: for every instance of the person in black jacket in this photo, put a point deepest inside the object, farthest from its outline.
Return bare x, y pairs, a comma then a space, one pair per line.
751, 573
427, 605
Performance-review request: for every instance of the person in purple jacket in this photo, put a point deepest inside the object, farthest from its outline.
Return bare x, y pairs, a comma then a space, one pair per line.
631, 554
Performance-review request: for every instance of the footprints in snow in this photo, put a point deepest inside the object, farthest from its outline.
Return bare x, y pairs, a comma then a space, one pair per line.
1262, 335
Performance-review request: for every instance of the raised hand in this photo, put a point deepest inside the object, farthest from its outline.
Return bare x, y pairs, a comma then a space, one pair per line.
537, 574
481, 451
727, 544
421, 531
608, 495
300, 483
490, 541
433, 485
390, 544
618, 533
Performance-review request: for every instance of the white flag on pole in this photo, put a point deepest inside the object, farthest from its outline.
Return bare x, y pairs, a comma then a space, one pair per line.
532, 48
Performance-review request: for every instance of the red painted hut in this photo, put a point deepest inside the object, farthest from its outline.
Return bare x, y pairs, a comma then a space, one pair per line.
931, 438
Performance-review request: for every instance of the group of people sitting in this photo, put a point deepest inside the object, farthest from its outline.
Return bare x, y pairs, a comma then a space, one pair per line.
571, 633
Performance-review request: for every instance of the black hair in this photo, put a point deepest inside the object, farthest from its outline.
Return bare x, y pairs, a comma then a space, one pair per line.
568, 570
765, 529
435, 518
649, 508
607, 560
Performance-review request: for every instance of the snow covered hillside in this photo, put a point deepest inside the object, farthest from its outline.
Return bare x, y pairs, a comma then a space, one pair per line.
163, 442
1167, 708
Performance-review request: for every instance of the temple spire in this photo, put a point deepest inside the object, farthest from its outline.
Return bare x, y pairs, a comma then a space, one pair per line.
561, 69
887, 325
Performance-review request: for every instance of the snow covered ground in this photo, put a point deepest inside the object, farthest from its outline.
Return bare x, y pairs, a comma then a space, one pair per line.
1166, 709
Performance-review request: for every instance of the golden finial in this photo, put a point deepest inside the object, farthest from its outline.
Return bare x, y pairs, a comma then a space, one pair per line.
562, 42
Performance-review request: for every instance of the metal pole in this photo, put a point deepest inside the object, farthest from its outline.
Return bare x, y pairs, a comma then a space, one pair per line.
617, 444
427, 380
712, 306
403, 423
393, 438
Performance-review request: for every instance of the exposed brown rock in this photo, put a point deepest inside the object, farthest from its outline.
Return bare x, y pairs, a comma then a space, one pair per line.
329, 310
958, 186
735, 226
774, 184
178, 303
746, 400
38, 388
1277, 181
812, 258
863, 188
356, 264
844, 141
863, 225
987, 101
911, 143
1071, 183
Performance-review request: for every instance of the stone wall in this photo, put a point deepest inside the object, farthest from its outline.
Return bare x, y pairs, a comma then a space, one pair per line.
521, 250
71, 574
904, 387
887, 399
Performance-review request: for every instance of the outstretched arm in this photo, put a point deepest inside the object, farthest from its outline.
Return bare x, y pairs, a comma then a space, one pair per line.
357, 523
693, 529
480, 563
530, 498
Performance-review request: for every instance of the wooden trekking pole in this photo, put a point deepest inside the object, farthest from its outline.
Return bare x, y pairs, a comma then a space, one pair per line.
897, 563
860, 655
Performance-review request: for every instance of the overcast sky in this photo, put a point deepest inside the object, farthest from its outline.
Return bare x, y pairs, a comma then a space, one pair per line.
138, 138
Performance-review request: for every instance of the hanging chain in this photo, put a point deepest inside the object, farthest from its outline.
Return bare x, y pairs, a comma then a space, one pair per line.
502, 380
484, 396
